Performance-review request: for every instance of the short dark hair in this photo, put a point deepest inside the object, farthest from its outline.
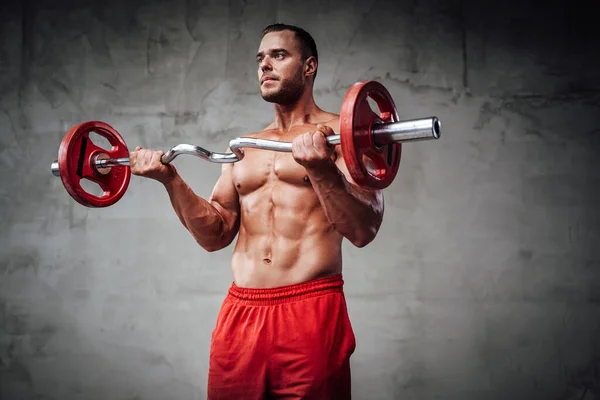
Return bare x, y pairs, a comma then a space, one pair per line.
308, 47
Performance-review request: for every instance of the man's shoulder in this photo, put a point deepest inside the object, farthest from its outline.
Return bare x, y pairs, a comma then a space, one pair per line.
257, 134
325, 118
270, 127
332, 120
331, 116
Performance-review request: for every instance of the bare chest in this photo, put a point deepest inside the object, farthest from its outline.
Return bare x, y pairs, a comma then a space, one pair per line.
260, 168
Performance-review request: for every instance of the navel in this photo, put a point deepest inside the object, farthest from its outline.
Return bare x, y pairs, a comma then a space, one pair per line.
267, 260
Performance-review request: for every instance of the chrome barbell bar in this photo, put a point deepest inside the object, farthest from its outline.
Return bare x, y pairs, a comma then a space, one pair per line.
383, 133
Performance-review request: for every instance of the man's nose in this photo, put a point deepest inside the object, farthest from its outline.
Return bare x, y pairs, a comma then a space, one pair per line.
265, 65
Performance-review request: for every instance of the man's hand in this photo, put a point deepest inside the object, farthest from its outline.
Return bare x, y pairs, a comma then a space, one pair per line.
311, 149
147, 163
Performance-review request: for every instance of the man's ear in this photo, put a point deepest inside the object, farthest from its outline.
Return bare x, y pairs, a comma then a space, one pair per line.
310, 66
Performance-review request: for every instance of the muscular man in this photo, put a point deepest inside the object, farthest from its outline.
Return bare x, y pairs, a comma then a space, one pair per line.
283, 328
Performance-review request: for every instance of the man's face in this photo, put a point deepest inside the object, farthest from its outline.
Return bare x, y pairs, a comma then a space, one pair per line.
280, 68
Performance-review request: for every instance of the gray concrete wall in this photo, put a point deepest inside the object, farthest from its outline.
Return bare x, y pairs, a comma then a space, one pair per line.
484, 282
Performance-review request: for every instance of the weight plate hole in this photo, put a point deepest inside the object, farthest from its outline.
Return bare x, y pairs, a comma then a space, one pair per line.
374, 106
91, 187
369, 165
100, 141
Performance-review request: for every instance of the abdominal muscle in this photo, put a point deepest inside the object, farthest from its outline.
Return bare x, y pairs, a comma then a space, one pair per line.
284, 238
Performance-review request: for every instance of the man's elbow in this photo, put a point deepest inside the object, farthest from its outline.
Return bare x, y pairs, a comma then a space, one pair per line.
360, 243
367, 232
213, 245
364, 237
217, 244
211, 248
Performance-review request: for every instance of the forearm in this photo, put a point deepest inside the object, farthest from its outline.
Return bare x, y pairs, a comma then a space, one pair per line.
353, 212
199, 216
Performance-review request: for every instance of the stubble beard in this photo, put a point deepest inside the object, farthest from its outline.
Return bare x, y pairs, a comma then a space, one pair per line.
288, 93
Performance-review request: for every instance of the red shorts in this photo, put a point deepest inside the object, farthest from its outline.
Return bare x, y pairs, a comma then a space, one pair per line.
293, 341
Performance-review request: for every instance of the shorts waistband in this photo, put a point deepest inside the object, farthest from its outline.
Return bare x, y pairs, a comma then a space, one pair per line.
289, 293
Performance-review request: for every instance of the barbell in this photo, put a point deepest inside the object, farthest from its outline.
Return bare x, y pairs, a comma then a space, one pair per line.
371, 145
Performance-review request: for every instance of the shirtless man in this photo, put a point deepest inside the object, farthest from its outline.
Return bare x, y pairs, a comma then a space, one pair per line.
283, 328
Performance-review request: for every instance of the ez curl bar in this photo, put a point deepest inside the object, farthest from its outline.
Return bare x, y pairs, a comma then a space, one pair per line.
371, 146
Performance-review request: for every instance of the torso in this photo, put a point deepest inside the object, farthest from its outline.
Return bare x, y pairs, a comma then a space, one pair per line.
284, 236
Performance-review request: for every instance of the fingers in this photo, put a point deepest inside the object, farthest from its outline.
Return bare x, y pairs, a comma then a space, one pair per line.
143, 160
308, 144
319, 141
298, 147
308, 141
134, 156
148, 163
326, 130
156, 158
148, 155
311, 149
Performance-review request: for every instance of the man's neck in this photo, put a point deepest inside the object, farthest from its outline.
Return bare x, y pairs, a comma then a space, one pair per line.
297, 113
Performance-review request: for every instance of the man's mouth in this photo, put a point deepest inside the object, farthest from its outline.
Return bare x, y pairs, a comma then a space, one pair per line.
266, 79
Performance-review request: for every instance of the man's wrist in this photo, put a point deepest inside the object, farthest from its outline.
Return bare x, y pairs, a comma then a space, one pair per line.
171, 178
323, 172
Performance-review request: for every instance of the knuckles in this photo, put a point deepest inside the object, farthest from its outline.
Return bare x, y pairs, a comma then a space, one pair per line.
143, 161
311, 147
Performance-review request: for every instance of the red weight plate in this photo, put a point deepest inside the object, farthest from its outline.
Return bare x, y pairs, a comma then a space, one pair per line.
369, 165
76, 155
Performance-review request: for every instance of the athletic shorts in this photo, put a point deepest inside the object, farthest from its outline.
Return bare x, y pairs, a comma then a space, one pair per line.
291, 342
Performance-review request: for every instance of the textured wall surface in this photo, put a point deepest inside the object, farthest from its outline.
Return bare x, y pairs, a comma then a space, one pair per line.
484, 282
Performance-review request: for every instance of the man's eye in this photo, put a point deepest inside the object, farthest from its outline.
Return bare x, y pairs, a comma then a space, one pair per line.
279, 55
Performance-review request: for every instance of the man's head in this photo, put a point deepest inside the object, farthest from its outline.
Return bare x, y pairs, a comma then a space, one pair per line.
287, 61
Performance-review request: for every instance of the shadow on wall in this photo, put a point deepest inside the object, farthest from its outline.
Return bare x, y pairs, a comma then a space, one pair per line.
30, 369
585, 385
47, 352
